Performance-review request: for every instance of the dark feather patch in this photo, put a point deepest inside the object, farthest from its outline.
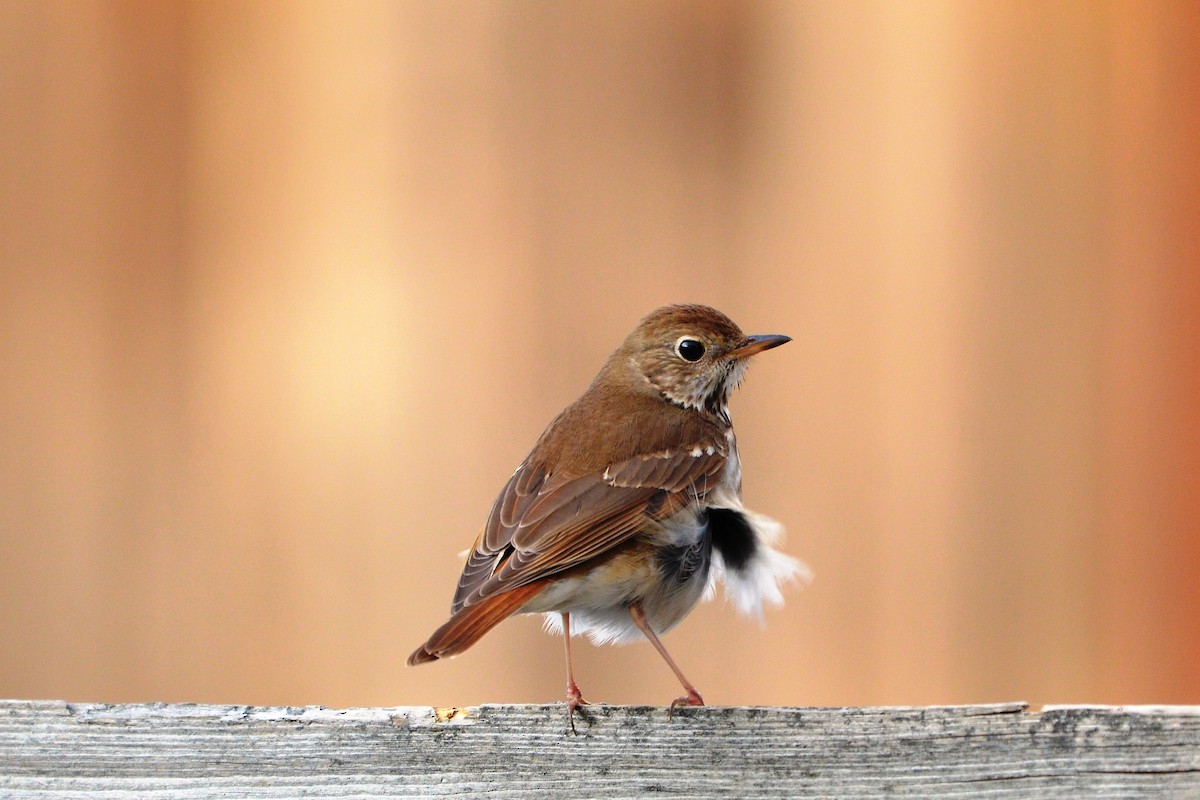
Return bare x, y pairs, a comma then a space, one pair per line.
716, 401
732, 536
681, 563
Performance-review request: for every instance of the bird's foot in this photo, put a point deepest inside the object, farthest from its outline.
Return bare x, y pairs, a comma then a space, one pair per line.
574, 701
692, 698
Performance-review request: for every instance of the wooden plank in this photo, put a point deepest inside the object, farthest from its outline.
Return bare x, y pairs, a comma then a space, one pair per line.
82, 750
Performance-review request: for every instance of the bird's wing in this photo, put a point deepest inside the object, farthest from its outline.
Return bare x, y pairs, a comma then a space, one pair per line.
544, 524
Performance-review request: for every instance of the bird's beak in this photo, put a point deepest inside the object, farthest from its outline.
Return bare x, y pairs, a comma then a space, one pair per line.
756, 344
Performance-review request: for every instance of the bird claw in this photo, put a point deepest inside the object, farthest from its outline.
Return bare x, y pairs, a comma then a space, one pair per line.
692, 698
574, 701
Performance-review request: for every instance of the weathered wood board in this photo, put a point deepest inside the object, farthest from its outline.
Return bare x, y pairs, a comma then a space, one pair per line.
84, 750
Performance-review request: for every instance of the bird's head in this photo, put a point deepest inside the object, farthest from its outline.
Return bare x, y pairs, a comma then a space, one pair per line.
691, 355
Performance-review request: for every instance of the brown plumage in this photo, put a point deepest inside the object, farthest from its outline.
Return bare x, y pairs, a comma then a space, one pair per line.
465, 628
607, 520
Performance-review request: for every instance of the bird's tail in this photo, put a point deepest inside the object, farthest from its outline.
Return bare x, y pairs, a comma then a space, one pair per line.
471, 623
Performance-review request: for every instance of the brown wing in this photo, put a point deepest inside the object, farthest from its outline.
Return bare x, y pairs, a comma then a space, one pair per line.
542, 524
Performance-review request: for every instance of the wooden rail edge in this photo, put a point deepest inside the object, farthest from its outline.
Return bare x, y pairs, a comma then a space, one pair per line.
52, 749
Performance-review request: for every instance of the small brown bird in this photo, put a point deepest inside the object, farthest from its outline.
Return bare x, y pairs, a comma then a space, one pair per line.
629, 507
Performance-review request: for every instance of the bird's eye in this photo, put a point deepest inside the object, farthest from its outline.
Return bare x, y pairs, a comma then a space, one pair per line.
690, 349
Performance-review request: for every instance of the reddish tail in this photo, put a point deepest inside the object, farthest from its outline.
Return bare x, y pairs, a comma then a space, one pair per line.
471, 623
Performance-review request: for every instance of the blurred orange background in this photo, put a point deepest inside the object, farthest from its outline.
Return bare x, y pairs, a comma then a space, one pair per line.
289, 289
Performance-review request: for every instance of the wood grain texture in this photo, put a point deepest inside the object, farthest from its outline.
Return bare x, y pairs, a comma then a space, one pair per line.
65, 750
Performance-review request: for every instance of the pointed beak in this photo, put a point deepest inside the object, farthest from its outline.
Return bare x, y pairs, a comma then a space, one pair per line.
756, 344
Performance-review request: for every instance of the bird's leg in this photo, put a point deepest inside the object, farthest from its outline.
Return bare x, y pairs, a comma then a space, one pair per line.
693, 697
574, 696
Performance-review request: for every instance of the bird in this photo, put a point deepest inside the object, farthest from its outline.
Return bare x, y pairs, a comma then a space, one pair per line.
628, 510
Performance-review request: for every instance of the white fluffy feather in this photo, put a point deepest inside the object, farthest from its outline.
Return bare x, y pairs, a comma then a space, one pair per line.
760, 581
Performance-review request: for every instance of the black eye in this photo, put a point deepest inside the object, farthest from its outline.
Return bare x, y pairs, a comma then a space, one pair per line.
690, 349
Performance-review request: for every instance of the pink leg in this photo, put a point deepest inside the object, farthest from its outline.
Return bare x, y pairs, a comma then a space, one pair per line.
574, 696
693, 697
